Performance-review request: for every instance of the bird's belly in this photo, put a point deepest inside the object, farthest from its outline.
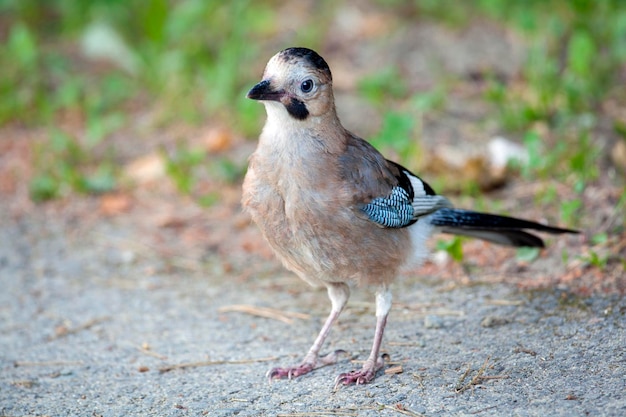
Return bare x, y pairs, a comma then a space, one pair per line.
299, 241
327, 242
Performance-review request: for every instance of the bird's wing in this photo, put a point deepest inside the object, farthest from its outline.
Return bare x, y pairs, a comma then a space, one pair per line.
410, 199
385, 192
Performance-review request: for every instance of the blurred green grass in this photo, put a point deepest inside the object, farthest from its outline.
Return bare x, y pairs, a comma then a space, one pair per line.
193, 59
190, 54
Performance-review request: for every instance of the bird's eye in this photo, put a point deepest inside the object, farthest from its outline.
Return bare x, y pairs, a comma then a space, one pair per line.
307, 86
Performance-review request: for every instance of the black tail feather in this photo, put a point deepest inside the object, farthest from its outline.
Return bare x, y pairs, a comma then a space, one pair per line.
503, 230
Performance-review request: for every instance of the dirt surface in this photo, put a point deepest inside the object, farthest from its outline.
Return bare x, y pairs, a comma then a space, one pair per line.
141, 302
92, 321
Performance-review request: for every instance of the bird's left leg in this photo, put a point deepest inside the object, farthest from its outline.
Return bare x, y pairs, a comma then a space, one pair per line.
338, 294
373, 363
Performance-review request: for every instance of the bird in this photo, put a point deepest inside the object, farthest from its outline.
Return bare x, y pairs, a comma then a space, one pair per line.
336, 212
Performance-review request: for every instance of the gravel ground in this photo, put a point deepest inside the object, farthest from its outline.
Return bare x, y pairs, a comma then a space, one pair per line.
88, 326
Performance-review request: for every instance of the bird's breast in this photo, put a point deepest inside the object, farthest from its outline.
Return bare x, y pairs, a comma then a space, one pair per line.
305, 210
300, 214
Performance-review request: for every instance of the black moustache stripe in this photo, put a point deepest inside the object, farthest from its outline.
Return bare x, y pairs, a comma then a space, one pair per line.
297, 109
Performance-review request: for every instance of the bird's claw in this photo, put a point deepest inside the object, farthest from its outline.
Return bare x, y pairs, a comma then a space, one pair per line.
290, 372
362, 376
305, 367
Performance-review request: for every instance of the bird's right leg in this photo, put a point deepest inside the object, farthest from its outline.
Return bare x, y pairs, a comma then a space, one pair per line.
338, 294
373, 363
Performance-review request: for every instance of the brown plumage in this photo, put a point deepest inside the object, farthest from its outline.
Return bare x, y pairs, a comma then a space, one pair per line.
334, 210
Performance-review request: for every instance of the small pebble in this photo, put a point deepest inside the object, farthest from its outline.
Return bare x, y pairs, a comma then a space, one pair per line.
433, 322
493, 321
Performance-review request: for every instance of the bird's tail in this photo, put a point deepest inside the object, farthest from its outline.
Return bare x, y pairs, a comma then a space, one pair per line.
493, 228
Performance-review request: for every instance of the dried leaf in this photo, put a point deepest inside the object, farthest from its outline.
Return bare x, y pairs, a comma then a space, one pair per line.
217, 140
113, 204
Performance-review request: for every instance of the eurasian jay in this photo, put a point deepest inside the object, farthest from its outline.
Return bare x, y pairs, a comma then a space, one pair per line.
335, 211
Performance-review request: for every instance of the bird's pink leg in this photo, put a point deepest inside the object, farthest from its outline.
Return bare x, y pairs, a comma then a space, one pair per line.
338, 294
373, 363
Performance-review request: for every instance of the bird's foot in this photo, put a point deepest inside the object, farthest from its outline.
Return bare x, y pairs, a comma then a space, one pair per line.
290, 372
362, 376
305, 367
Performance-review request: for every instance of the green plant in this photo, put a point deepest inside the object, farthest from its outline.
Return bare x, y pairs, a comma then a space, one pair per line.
397, 134
453, 247
190, 169
596, 259
180, 166
382, 86
569, 211
597, 255
64, 165
434, 99
583, 162
600, 238
526, 254
21, 82
593, 36
197, 53
225, 170
192, 54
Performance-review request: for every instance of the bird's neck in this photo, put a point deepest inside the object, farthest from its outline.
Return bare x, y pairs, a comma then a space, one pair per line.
300, 139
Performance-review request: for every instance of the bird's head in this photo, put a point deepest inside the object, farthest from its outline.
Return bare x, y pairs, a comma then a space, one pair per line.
299, 80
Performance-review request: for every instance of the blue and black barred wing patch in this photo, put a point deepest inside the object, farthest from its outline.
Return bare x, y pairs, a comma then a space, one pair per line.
411, 199
394, 210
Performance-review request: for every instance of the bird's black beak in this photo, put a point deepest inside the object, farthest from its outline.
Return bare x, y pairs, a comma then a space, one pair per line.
263, 91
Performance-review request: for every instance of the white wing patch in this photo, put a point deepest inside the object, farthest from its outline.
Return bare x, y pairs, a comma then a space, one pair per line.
424, 203
416, 183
